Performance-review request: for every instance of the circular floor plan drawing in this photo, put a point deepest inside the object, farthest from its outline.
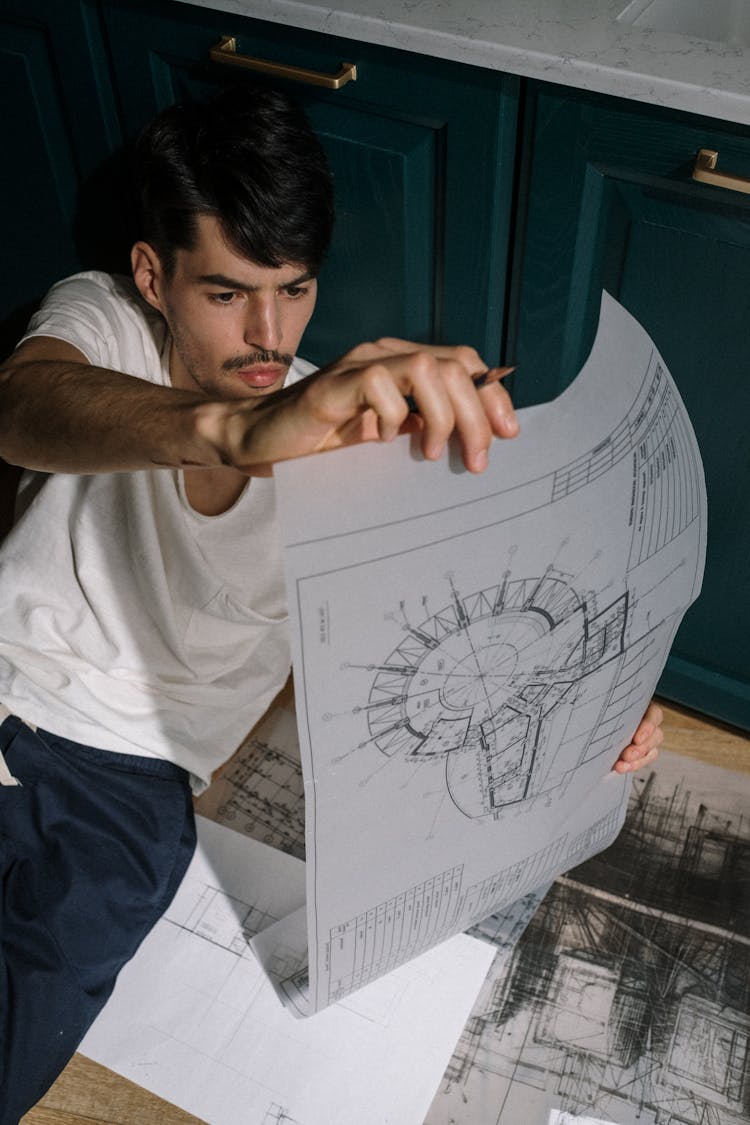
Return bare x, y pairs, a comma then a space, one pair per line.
481, 682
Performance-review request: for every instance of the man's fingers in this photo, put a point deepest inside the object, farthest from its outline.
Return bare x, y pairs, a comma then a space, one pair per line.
644, 749
499, 407
651, 721
370, 392
629, 762
427, 384
468, 357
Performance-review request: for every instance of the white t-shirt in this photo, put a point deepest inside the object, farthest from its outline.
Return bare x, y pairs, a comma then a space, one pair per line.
128, 620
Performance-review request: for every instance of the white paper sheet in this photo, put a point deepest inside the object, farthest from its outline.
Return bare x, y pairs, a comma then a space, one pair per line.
471, 655
194, 1019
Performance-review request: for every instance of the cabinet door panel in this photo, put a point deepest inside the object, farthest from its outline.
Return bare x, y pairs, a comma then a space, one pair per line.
38, 198
422, 154
677, 256
389, 169
58, 132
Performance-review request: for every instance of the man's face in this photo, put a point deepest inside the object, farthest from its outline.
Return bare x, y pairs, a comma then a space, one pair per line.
235, 325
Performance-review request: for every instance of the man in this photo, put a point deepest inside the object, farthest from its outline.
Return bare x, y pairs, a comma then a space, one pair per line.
142, 621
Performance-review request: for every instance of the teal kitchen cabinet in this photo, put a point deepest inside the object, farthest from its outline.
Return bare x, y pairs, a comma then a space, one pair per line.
610, 202
423, 156
58, 130
59, 134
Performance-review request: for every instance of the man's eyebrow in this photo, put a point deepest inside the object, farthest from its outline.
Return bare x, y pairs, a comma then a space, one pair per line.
225, 282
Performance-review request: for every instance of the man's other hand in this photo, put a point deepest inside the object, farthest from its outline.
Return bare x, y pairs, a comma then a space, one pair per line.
643, 750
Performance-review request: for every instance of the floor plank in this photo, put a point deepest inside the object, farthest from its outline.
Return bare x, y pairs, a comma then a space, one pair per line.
42, 1116
89, 1094
686, 732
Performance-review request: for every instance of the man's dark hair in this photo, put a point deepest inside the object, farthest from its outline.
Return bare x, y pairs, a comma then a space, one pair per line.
250, 158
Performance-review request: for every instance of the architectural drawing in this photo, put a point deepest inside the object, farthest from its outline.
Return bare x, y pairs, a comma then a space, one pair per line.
261, 793
195, 1020
482, 678
480, 681
504, 928
278, 1115
472, 652
628, 997
203, 909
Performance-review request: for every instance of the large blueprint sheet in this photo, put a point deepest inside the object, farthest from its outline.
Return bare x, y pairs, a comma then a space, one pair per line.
472, 653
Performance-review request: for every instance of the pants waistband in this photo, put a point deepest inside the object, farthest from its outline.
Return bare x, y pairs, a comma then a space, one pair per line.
6, 777
129, 763
6, 714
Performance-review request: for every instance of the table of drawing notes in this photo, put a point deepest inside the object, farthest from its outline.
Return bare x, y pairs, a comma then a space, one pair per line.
470, 655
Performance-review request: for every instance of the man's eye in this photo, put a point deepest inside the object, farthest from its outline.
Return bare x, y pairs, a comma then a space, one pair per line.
222, 298
295, 291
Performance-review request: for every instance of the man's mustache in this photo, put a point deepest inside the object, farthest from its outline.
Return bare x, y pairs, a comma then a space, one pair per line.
238, 362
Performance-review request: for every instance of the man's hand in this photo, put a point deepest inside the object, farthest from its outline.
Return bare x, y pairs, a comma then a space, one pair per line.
644, 748
362, 397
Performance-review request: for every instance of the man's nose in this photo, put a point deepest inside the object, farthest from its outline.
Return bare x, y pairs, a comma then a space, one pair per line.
262, 322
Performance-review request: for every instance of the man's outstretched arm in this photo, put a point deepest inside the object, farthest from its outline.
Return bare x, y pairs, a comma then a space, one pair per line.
60, 414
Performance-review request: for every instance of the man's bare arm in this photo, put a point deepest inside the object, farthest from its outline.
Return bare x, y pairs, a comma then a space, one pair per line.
60, 414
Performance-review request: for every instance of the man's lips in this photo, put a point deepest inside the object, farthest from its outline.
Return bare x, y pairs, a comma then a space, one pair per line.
260, 376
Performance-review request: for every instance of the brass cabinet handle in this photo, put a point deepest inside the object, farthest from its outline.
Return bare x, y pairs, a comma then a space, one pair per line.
225, 52
704, 170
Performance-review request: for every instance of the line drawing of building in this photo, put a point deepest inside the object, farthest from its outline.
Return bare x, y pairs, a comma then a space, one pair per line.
261, 791
627, 999
210, 913
479, 682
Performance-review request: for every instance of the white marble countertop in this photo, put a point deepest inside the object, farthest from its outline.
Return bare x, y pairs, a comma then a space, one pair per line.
577, 43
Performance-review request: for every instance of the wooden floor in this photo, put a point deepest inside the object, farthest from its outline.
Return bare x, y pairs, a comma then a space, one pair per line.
87, 1094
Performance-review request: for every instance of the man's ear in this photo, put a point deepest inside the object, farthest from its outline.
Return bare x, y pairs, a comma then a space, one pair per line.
148, 274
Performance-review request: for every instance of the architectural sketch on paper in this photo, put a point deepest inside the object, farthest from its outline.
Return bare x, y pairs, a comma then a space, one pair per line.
373, 943
666, 496
261, 792
504, 928
209, 912
485, 681
278, 1115
481, 682
628, 997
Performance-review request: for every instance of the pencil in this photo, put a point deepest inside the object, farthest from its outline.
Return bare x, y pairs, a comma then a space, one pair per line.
478, 380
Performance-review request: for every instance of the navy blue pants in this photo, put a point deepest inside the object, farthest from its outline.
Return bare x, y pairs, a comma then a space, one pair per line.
93, 846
